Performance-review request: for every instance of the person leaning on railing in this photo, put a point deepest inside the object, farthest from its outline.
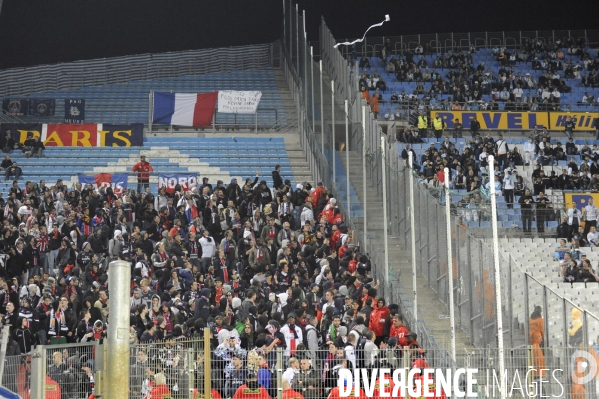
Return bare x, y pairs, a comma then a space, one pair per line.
143, 169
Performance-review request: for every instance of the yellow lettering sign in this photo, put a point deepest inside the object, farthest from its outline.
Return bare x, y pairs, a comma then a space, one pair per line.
54, 138
77, 139
118, 135
24, 133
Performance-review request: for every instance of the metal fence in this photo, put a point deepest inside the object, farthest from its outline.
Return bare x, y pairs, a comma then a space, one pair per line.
331, 133
65, 370
314, 98
117, 109
472, 261
456, 41
180, 362
220, 362
16, 376
315, 373
180, 367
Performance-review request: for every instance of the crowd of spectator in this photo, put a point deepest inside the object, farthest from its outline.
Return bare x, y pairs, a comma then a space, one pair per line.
575, 267
467, 86
260, 267
469, 172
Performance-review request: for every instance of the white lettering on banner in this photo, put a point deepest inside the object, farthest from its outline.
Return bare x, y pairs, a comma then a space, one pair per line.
116, 186
238, 102
171, 181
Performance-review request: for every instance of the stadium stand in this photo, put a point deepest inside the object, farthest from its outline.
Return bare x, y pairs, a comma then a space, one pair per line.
128, 102
434, 79
66, 278
215, 158
261, 273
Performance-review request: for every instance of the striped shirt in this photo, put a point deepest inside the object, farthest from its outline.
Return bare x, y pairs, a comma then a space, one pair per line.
591, 212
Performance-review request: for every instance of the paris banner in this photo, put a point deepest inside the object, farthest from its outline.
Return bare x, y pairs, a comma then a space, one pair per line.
118, 182
85, 135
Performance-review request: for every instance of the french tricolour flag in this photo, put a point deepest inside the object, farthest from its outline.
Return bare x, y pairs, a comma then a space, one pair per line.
184, 109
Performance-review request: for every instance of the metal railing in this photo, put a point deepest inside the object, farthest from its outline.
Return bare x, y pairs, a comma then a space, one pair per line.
326, 126
472, 263
203, 361
124, 111
461, 41
182, 369
264, 119
473, 275
73, 370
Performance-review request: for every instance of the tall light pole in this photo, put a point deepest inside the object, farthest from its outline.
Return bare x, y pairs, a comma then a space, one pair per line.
117, 366
413, 232
385, 221
499, 311
449, 262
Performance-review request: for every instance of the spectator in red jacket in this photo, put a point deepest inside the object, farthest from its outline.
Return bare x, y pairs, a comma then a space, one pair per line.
399, 330
160, 389
378, 320
318, 192
53, 390
143, 169
251, 389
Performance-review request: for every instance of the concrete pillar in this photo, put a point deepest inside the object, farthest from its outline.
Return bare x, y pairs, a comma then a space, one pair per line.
117, 364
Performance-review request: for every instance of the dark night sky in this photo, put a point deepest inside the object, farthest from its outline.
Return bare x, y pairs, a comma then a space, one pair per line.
439, 16
43, 32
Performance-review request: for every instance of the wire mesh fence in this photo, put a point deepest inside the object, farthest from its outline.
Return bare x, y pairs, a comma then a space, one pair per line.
319, 371
313, 363
177, 364
70, 369
17, 374
472, 259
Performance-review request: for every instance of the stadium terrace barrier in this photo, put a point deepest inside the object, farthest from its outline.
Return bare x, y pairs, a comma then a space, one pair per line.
472, 261
451, 41
203, 361
314, 373
61, 371
324, 123
96, 72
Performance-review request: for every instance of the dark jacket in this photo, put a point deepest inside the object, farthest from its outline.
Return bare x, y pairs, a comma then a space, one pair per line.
23, 337
202, 307
276, 179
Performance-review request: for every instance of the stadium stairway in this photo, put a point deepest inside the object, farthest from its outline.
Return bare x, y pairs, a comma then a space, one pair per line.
429, 308
356, 210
